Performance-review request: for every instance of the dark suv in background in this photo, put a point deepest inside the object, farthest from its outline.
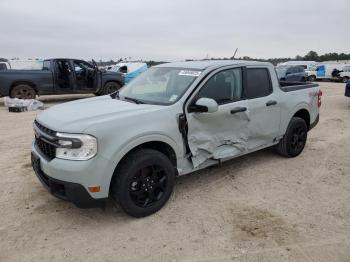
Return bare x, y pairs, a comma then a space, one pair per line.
291, 73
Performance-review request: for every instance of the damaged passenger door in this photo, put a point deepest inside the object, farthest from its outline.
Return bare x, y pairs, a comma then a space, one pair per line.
220, 134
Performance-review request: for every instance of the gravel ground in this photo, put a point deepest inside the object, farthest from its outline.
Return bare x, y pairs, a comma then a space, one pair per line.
260, 207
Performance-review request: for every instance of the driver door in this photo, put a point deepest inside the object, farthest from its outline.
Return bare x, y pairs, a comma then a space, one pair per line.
223, 133
84, 75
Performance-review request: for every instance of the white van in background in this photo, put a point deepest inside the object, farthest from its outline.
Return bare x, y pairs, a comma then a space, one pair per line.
26, 64
306, 64
130, 70
4, 66
324, 71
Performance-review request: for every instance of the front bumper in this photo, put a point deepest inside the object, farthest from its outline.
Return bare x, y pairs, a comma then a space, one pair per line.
68, 191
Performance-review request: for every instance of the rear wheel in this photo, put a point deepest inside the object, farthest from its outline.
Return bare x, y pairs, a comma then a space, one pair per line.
110, 87
23, 92
143, 182
293, 142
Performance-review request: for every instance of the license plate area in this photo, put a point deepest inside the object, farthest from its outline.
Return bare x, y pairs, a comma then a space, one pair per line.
37, 169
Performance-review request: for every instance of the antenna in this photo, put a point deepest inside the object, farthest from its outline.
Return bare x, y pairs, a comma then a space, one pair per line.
235, 53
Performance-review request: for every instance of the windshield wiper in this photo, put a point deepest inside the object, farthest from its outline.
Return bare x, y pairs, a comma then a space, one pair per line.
115, 95
136, 101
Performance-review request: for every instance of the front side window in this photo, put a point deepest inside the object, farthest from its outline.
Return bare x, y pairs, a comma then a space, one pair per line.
258, 83
223, 87
82, 65
160, 85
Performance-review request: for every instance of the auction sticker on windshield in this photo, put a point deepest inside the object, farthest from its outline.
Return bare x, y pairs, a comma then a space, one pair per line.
189, 73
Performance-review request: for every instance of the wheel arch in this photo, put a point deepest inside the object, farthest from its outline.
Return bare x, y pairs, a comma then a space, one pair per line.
303, 113
162, 144
112, 81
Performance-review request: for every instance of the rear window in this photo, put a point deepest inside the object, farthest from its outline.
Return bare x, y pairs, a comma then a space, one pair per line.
258, 83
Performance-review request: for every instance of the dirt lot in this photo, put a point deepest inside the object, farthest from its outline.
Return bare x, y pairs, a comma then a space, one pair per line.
261, 207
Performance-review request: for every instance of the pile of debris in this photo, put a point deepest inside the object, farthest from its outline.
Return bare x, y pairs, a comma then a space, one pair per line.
21, 105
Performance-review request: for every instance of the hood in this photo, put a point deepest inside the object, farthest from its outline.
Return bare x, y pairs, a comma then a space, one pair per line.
77, 116
111, 73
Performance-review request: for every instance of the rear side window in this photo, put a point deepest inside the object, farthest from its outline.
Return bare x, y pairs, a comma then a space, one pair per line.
258, 83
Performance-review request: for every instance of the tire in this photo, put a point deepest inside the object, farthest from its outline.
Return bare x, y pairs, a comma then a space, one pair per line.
23, 92
345, 79
110, 87
143, 182
293, 142
312, 78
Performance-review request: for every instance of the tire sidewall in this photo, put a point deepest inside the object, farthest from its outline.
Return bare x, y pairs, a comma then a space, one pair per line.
109, 85
124, 180
295, 123
23, 86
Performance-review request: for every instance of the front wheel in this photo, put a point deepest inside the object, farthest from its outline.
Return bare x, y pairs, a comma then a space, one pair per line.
110, 87
143, 182
293, 142
312, 78
345, 79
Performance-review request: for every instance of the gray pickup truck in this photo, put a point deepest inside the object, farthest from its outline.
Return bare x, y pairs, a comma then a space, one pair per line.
172, 120
59, 76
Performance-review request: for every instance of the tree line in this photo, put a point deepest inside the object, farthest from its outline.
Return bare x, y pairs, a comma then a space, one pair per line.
310, 56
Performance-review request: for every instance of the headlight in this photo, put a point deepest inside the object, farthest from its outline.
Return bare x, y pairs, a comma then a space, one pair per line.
76, 146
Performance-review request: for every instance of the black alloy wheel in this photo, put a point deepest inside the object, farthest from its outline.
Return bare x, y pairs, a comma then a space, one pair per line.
143, 182
148, 186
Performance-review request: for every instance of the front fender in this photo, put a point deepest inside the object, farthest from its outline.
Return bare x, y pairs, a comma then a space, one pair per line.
139, 140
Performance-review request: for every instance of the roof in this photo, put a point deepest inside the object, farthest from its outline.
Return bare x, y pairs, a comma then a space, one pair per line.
201, 65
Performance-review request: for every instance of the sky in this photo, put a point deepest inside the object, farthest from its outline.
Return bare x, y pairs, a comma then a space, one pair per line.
165, 30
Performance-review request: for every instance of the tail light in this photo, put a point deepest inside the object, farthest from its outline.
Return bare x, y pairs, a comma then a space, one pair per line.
319, 95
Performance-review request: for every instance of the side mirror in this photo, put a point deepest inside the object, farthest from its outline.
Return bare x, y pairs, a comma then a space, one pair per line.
205, 105
288, 73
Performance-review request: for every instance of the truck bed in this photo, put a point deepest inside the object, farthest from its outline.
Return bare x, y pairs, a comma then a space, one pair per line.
294, 86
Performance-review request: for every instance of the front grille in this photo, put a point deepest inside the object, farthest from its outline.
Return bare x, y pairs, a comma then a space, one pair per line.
46, 148
45, 129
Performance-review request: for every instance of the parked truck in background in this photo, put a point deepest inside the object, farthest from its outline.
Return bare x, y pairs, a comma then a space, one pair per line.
345, 74
172, 120
291, 73
59, 76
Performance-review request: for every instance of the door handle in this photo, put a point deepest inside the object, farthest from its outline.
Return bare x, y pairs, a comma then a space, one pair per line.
271, 103
238, 110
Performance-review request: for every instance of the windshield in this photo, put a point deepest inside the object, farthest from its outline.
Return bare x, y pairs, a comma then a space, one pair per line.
160, 85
